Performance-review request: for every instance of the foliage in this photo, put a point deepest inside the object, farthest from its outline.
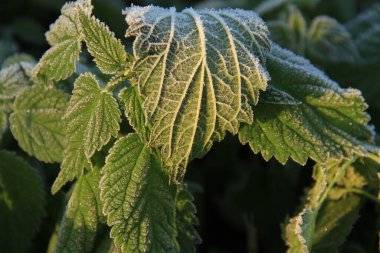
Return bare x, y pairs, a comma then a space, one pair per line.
125, 129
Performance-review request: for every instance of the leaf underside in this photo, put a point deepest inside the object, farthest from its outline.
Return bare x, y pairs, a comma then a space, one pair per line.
304, 114
138, 201
195, 85
91, 119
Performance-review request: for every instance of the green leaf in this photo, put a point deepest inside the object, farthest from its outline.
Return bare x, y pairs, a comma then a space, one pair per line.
133, 108
334, 223
325, 222
138, 201
21, 203
108, 51
36, 122
91, 119
291, 32
365, 30
197, 80
16, 59
65, 38
329, 41
14, 79
79, 224
304, 114
186, 219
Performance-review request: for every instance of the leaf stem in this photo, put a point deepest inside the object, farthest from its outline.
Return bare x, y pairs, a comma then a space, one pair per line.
365, 194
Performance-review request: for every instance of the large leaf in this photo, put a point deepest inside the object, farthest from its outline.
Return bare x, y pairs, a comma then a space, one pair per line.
305, 114
199, 72
108, 51
79, 224
65, 38
36, 122
138, 201
21, 203
91, 119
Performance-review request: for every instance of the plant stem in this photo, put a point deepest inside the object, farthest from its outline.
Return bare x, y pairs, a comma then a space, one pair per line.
365, 194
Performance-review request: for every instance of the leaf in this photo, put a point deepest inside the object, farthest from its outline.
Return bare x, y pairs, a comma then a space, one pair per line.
108, 51
91, 119
79, 224
21, 203
324, 223
138, 201
65, 38
330, 41
197, 80
186, 219
14, 79
36, 122
291, 32
305, 114
365, 31
133, 109
335, 222
16, 59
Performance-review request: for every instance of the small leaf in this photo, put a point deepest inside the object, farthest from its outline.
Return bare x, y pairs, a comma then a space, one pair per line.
92, 117
134, 111
325, 222
186, 219
79, 224
330, 41
138, 201
305, 114
21, 203
108, 51
197, 80
36, 122
65, 38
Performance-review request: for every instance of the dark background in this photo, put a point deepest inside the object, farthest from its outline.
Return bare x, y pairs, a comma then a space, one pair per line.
242, 200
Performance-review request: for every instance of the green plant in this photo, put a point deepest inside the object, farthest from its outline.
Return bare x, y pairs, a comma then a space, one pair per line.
194, 76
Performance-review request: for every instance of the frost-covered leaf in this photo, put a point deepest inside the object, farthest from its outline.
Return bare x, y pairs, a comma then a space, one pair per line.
133, 103
16, 59
14, 79
138, 201
305, 114
91, 119
186, 219
36, 122
21, 203
365, 30
330, 41
65, 39
79, 224
325, 222
108, 52
198, 72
